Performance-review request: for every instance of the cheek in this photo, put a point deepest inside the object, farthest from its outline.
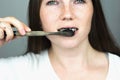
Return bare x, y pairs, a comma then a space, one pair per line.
84, 22
48, 19
85, 17
84, 13
45, 19
85, 26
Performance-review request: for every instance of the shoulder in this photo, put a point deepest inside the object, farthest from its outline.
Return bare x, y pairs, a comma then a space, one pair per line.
114, 61
21, 65
29, 58
114, 67
114, 58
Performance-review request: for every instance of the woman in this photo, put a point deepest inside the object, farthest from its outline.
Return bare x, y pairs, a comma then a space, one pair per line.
88, 55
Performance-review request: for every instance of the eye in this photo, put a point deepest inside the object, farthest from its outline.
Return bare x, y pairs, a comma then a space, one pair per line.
79, 1
52, 2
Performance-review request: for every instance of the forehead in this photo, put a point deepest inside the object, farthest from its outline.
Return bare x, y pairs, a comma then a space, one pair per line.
65, 0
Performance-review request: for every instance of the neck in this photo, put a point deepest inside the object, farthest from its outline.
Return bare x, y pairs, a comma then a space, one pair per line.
78, 56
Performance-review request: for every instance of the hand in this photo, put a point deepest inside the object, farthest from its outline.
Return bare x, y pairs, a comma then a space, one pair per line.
6, 25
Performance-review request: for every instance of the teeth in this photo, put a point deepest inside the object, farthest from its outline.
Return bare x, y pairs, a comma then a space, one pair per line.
73, 29
64, 29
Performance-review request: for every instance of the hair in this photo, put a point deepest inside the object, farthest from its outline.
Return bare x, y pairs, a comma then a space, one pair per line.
100, 37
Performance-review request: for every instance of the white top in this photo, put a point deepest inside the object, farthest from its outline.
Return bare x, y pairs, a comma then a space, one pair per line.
114, 67
38, 67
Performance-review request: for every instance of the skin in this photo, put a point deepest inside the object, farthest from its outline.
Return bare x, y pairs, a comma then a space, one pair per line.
54, 17
72, 55
68, 55
5, 25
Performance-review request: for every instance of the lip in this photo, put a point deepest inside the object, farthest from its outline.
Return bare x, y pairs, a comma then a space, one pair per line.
74, 29
67, 27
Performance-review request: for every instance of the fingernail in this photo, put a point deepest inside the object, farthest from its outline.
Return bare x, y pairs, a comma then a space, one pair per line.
28, 29
23, 32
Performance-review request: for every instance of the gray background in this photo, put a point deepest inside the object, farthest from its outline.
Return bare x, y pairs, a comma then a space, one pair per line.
18, 9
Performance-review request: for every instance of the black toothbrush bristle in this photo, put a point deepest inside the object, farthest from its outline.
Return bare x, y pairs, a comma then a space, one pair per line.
68, 32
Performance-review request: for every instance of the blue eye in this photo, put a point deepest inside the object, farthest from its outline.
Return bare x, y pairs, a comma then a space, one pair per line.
79, 1
52, 2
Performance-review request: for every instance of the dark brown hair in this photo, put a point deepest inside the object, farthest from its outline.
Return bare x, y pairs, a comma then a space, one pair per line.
100, 37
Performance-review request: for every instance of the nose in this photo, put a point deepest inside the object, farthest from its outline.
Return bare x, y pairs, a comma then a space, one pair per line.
66, 14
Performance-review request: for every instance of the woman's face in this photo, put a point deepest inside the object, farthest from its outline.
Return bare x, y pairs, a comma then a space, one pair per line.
56, 14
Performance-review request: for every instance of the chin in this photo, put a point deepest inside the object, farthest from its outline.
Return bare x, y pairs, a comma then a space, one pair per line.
69, 47
67, 44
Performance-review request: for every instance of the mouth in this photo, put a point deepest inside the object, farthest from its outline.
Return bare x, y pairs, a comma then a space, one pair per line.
69, 29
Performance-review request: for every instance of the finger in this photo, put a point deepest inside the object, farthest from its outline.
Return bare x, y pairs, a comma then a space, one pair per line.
26, 28
9, 32
2, 41
1, 34
16, 23
6, 27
